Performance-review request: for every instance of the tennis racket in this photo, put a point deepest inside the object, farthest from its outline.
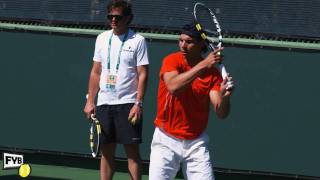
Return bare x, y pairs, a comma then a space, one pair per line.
95, 132
207, 24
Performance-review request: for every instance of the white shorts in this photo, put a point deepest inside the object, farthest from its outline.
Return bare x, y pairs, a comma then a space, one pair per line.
167, 153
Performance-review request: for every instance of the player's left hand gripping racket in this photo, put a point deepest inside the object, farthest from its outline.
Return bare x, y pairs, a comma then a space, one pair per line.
207, 24
95, 132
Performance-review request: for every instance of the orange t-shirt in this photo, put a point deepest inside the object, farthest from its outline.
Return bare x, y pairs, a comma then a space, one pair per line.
185, 115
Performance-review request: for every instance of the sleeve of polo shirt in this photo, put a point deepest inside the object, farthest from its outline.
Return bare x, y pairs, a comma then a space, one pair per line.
142, 53
97, 50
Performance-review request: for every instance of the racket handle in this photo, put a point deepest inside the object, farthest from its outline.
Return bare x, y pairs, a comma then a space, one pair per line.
224, 75
223, 70
94, 155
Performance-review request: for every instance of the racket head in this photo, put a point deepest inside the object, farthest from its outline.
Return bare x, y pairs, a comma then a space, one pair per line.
94, 137
207, 24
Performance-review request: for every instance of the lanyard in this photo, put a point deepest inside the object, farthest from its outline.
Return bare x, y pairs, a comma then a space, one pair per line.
119, 54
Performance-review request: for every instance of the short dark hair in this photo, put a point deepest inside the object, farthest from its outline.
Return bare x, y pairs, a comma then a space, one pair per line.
190, 30
125, 5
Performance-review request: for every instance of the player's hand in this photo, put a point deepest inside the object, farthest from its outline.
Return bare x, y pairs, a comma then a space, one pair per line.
227, 86
89, 109
135, 114
213, 58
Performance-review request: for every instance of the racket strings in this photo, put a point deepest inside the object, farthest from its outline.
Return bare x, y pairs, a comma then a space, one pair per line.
204, 17
94, 137
209, 24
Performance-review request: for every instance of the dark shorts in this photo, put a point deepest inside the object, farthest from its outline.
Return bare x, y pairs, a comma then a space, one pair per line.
115, 125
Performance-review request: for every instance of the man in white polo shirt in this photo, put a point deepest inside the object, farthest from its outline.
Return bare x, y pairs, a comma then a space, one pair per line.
119, 73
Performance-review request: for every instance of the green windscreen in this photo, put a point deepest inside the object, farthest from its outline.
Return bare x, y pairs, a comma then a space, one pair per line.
273, 125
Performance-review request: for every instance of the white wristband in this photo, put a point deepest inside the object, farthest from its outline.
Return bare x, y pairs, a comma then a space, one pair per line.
139, 103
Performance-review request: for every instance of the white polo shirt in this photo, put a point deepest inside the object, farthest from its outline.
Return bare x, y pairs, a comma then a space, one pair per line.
134, 53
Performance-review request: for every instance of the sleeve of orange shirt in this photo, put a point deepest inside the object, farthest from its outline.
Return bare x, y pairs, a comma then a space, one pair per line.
170, 63
217, 80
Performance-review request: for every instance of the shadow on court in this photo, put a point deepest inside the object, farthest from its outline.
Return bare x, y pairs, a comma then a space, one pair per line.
16, 177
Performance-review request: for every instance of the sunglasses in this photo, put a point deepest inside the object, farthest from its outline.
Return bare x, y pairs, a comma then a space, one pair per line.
117, 17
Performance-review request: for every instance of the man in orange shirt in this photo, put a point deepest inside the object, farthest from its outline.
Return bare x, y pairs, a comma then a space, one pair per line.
188, 83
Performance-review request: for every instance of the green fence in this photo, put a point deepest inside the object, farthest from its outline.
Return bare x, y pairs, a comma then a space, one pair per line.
273, 125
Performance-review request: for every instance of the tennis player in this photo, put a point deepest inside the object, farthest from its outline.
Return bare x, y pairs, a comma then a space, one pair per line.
188, 84
119, 73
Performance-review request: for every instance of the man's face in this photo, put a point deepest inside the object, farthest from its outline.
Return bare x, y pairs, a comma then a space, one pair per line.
189, 45
117, 20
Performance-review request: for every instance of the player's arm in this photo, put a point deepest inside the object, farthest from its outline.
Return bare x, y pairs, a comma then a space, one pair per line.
93, 88
221, 99
136, 110
176, 82
142, 81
